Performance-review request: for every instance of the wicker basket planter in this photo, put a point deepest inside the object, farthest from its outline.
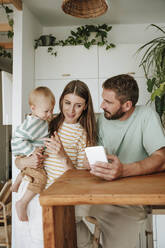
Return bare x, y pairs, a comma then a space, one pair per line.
84, 8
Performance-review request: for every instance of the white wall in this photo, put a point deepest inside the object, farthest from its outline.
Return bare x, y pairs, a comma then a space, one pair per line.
26, 29
31, 30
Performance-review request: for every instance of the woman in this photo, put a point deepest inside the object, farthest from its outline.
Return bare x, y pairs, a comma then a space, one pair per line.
70, 131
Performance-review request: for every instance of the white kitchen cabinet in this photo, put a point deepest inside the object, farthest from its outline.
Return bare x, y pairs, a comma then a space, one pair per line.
120, 60
70, 62
92, 66
144, 95
57, 86
158, 228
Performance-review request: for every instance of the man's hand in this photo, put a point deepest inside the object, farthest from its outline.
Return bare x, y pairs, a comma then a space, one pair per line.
108, 171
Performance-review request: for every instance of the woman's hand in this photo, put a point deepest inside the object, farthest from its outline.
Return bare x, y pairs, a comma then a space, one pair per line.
86, 163
108, 171
55, 145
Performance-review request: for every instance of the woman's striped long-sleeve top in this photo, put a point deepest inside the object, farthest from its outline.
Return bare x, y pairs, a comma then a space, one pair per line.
73, 138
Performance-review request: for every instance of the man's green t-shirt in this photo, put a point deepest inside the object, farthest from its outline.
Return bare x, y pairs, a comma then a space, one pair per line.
133, 139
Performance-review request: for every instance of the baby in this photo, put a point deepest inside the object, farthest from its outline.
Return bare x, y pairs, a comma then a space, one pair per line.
28, 139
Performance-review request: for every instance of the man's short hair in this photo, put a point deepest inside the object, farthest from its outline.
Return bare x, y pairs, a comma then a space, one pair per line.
125, 87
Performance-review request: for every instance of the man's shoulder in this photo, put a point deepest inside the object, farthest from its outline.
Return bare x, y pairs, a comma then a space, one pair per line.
100, 118
145, 110
147, 115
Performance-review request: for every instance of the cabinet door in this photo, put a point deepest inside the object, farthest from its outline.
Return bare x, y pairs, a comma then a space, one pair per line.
58, 85
144, 95
160, 220
121, 59
70, 62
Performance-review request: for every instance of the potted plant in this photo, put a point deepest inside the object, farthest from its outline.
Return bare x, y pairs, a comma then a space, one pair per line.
87, 36
45, 40
153, 63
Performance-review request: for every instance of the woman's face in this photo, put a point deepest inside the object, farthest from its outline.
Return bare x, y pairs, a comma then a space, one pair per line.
72, 107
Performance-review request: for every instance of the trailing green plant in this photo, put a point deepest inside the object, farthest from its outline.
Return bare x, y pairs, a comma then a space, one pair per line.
153, 63
87, 36
8, 12
4, 53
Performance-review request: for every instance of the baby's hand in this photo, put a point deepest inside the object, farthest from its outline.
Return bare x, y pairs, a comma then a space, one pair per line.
39, 150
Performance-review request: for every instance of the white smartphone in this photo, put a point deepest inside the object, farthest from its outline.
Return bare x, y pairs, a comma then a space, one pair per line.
95, 153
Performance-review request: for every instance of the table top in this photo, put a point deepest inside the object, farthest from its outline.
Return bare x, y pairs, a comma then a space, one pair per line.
76, 187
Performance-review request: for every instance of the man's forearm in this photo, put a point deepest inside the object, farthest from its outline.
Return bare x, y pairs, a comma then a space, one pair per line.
152, 164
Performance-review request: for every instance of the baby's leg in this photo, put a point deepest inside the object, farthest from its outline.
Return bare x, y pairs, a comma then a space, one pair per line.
16, 184
21, 205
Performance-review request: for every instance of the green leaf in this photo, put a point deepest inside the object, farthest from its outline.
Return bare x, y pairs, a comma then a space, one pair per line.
11, 22
8, 10
10, 34
162, 87
157, 93
104, 26
150, 84
91, 28
100, 43
87, 45
112, 45
93, 41
159, 104
158, 28
73, 33
50, 49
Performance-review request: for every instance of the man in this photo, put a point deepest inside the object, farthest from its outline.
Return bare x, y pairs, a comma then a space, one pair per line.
135, 143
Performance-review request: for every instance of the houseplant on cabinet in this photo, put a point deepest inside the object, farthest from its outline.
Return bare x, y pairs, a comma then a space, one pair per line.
153, 63
87, 36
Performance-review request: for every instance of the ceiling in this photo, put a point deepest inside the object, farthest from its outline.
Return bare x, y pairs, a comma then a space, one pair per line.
49, 12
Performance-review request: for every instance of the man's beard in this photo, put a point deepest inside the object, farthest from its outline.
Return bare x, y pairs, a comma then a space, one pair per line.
119, 113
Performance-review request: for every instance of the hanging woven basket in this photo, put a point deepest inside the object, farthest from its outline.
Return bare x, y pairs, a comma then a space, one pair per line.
84, 8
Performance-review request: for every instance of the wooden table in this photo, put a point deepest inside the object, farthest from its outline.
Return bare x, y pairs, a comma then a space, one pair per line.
80, 187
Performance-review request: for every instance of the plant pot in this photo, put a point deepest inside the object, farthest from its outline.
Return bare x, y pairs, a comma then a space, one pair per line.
47, 40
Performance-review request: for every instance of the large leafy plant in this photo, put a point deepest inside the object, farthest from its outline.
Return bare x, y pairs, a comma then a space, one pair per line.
153, 63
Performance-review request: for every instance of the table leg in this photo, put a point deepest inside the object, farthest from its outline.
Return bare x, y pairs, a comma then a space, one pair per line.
59, 227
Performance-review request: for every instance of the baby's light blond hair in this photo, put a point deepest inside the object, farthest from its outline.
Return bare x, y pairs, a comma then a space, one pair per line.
41, 91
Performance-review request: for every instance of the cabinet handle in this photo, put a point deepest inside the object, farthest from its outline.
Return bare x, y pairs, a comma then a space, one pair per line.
66, 75
131, 73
